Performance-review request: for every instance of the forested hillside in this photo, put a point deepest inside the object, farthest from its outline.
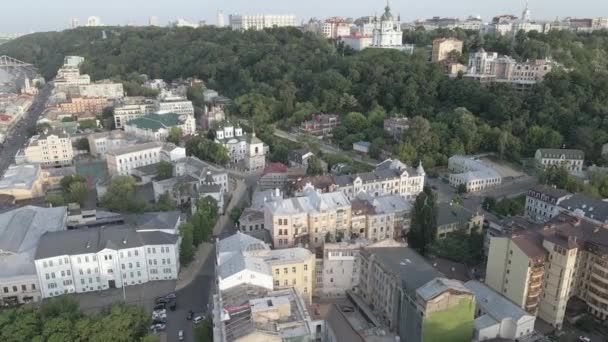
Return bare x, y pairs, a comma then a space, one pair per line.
284, 75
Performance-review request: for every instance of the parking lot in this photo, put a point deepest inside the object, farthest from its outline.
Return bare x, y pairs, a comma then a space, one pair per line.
143, 295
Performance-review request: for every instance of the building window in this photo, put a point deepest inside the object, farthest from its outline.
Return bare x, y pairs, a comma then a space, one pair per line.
305, 267
293, 270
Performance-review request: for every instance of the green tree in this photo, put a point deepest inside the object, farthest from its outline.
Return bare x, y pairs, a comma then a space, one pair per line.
83, 144
120, 196
235, 214
186, 250
314, 167
175, 134
67, 181
203, 332
78, 193
87, 124
55, 199
164, 170
424, 220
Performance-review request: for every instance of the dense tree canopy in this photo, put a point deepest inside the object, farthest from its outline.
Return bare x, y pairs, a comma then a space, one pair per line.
283, 76
60, 319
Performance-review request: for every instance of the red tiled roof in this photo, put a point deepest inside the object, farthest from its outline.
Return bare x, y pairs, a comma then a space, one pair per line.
275, 168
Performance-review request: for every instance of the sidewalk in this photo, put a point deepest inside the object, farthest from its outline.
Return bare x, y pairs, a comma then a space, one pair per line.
187, 274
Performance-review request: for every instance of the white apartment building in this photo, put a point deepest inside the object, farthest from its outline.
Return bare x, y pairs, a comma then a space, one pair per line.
389, 178
334, 28
309, 219
380, 218
104, 89
245, 260
572, 160
20, 231
73, 61
51, 148
473, 173
156, 127
542, 202
340, 269
94, 259
122, 160
102, 143
245, 150
482, 62
175, 104
261, 21
128, 112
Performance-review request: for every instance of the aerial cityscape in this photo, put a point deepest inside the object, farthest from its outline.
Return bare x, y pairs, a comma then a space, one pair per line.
260, 175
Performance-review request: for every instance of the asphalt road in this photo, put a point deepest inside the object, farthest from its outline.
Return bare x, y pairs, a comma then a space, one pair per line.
196, 297
19, 135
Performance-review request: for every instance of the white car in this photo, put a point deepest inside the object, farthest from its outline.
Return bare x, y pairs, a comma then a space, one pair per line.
584, 339
197, 319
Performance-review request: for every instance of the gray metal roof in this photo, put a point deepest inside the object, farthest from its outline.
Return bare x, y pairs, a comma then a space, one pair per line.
413, 270
438, 286
157, 220
20, 176
556, 153
20, 231
494, 304
448, 214
93, 240
21, 228
594, 209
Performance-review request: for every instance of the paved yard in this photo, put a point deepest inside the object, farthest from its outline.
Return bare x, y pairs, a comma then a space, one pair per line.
143, 295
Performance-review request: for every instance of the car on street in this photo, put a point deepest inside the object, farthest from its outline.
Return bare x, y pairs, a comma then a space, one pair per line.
197, 319
171, 295
584, 339
180, 335
159, 306
190, 315
172, 305
158, 327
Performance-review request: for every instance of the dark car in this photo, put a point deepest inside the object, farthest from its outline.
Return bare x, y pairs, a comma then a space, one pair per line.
161, 300
171, 295
172, 305
190, 315
159, 306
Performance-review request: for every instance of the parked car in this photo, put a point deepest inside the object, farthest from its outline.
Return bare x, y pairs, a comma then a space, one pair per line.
159, 320
161, 300
584, 339
190, 315
180, 335
197, 319
171, 295
172, 305
159, 306
158, 327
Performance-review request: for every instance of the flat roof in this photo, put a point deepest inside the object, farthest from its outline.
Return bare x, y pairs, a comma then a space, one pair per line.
413, 270
495, 304
21, 176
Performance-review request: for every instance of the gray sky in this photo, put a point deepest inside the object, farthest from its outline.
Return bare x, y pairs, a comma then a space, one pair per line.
43, 15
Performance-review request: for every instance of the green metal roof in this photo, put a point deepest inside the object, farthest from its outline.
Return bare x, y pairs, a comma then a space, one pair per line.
155, 122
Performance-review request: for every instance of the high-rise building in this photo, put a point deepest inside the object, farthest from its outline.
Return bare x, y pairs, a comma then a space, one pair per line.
443, 46
93, 21
220, 18
543, 267
259, 22
153, 21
